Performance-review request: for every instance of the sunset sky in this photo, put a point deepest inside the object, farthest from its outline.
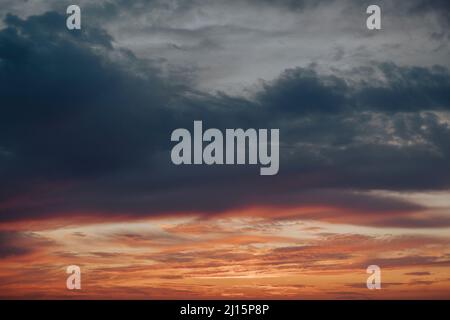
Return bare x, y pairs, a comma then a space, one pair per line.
85, 171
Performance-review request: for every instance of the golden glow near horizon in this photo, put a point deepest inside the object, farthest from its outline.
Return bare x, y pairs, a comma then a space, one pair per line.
238, 254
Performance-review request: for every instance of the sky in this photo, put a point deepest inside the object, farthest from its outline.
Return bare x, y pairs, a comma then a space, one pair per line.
85, 171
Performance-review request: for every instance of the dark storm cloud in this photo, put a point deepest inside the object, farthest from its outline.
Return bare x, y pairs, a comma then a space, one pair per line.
61, 92
85, 127
404, 89
8, 248
408, 89
316, 94
20, 243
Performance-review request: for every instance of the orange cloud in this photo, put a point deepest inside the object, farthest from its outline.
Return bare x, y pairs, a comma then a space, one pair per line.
212, 258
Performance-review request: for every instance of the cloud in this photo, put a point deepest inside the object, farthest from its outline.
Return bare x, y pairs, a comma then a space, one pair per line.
418, 273
255, 263
303, 91
85, 127
13, 244
85, 121
7, 248
72, 97
408, 89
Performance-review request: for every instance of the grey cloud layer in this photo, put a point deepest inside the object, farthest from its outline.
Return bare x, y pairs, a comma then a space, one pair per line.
85, 126
230, 44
